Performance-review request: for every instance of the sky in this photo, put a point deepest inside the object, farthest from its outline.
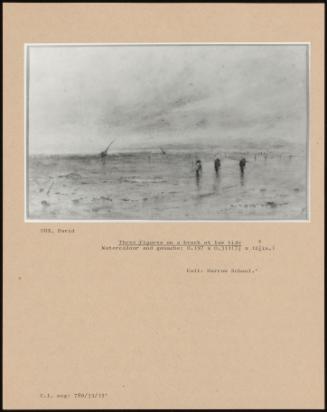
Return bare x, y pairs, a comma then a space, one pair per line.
82, 98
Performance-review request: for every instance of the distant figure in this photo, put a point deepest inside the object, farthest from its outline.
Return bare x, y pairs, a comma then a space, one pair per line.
217, 165
198, 173
242, 165
198, 168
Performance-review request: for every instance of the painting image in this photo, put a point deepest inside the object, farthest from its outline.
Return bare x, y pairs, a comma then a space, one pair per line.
166, 132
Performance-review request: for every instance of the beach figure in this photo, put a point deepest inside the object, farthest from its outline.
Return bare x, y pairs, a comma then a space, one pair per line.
217, 165
198, 168
198, 172
242, 165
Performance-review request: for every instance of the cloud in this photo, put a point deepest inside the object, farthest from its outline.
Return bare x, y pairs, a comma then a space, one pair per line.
82, 96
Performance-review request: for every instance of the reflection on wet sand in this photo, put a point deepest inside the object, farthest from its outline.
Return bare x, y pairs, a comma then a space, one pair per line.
242, 177
216, 182
198, 180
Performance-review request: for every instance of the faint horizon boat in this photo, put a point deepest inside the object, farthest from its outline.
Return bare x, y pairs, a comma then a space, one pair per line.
105, 152
162, 151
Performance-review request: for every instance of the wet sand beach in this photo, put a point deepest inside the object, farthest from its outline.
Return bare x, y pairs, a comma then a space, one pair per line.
156, 186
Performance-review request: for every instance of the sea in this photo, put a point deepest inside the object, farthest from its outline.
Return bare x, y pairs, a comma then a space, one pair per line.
165, 186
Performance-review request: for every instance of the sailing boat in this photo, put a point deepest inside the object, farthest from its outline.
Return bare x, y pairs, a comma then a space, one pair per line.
104, 152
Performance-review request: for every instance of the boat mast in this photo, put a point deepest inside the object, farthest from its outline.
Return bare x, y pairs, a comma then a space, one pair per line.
104, 152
